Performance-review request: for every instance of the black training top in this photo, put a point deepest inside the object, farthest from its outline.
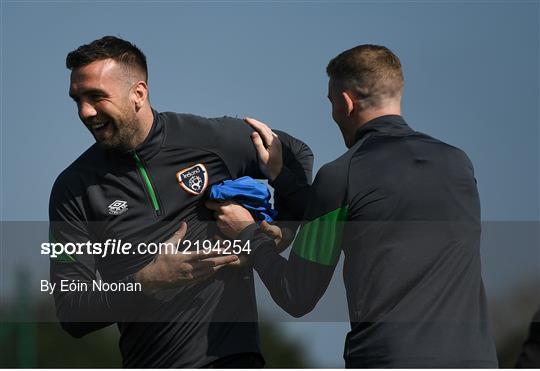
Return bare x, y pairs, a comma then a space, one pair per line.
142, 197
404, 209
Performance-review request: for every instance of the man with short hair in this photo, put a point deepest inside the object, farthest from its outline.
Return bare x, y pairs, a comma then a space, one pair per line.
404, 209
141, 182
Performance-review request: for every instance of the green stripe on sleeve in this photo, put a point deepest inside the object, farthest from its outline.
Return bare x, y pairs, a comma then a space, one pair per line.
319, 241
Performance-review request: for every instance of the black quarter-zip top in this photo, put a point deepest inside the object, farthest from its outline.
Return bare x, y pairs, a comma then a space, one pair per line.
140, 197
404, 210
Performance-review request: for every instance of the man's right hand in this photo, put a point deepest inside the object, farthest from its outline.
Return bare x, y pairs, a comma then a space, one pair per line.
171, 270
268, 147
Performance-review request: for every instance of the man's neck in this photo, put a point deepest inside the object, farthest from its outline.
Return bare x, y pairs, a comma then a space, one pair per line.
364, 117
146, 120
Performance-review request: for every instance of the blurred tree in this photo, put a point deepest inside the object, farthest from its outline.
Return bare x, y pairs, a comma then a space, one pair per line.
52, 347
279, 350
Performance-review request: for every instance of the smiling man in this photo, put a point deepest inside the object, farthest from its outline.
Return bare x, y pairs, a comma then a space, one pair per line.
110, 97
141, 182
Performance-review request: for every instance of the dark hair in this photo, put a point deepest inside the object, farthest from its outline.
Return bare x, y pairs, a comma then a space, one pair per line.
109, 47
373, 72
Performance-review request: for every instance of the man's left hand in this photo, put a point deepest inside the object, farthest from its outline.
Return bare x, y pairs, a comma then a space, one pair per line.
230, 216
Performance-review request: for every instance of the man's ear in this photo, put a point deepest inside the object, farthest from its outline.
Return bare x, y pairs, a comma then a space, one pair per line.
349, 101
140, 92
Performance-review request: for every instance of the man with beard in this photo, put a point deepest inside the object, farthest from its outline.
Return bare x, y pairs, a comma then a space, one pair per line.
144, 180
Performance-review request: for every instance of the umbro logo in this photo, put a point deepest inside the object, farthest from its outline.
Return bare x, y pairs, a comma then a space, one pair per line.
118, 207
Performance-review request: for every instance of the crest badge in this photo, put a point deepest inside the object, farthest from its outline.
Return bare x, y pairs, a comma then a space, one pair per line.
193, 179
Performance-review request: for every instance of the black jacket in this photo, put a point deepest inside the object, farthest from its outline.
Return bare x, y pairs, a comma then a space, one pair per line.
404, 209
137, 197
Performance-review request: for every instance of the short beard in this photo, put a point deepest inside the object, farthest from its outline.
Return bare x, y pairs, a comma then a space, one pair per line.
126, 136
